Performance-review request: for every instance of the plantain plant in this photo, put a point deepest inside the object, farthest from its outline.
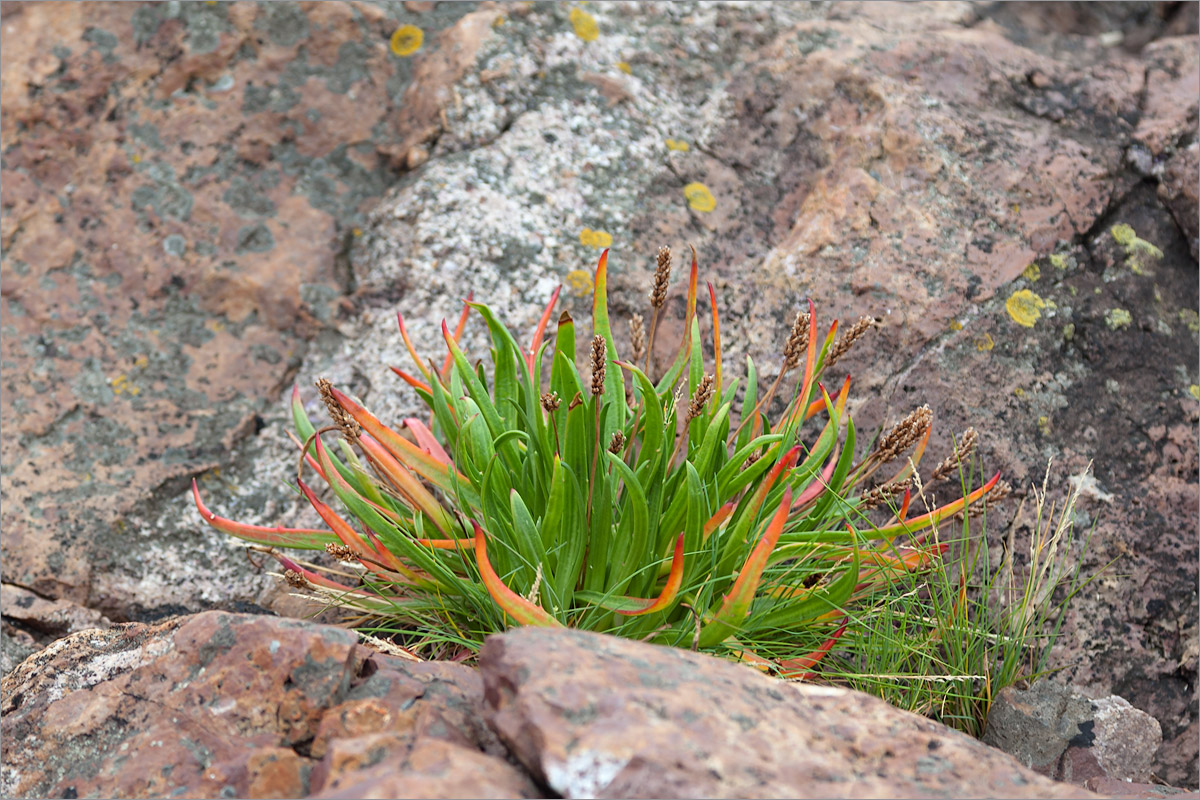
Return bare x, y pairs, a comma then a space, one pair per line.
615, 501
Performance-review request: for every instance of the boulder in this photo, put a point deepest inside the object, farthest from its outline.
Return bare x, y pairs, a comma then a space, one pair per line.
219, 704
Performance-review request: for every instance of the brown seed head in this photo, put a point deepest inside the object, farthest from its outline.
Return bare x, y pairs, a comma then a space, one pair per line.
617, 442
550, 402
704, 392
751, 459
797, 341
847, 339
295, 579
339, 551
882, 493
599, 359
637, 337
348, 425
906, 432
962, 451
1000, 491
662, 274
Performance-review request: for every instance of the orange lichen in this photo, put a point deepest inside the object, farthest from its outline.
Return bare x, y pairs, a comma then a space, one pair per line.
407, 40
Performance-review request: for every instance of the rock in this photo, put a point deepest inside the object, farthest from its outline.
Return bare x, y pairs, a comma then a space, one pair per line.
1111, 787
52, 618
179, 182
218, 704
1067, 736
1178, 191
598, 716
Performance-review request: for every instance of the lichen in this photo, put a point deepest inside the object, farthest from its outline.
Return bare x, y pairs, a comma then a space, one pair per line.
584, 24
598, 239
699, 197
1135, 248
1025, 307
407, 40
1117, 318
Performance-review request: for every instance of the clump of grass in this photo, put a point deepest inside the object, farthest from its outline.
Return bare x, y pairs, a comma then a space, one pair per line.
615, 501
946, 644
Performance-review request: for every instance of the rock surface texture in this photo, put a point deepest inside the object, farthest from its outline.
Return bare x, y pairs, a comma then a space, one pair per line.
219, 704
1070, 737
203, 202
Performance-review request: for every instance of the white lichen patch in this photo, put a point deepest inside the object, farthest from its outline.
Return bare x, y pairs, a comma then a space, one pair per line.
585, 773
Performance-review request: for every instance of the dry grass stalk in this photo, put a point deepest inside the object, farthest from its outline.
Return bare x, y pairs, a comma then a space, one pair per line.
847, 340
962, 451
599, 359
904, 434
346, 424
637, 337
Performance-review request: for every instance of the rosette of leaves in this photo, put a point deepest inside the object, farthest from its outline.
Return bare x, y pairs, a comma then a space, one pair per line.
663, 509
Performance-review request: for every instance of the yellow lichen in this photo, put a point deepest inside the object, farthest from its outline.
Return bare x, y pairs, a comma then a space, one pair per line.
1117, 318
141, 361
1025, 307
678, 144
499, 22
407, 40
1032, 272
1044, 425
1195, 391
624, 67
584, 24
1057, 261
579, 282
121, 385
1190, 318
955, 325
591, 238
357, 231
699, 197
984, 343
1135, 248
1018, 392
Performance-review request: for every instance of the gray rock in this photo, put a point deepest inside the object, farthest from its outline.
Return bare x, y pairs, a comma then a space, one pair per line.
1065, 735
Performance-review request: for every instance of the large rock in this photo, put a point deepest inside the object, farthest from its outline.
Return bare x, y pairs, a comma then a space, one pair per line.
597, 716
220, 705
